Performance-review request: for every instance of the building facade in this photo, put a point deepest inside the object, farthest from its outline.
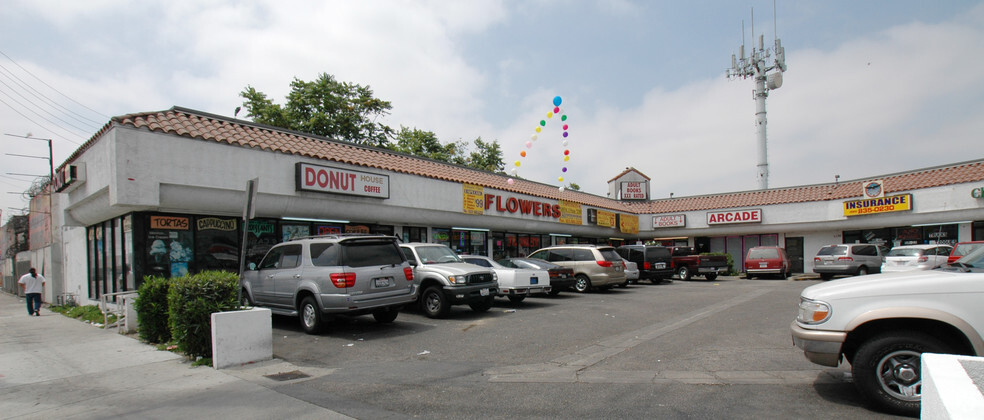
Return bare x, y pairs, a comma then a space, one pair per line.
164, 193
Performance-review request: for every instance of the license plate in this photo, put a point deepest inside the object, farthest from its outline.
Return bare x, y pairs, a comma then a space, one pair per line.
534, 280
618, 268
660, 265
381, 282
763, 265
827, 262
483, 292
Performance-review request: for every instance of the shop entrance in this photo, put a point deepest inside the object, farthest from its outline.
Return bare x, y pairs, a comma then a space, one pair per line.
794, 249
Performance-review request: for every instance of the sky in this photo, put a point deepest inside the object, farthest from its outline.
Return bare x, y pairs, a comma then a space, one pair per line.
871, 88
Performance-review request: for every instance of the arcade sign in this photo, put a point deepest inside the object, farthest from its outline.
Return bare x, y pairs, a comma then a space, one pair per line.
734, 216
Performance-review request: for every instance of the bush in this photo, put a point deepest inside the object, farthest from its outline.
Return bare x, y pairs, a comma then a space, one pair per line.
152, 310
191, 301
731, 261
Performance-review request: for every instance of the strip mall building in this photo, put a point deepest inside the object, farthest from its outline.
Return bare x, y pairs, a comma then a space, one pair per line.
163, 193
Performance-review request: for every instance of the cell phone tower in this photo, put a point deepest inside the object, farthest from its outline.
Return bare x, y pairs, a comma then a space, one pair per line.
767, 76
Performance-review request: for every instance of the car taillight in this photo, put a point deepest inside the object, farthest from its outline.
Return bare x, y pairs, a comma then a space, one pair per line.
604, 263
623, 264
816, 259
923, 258
408, 272
343, 280
646, 265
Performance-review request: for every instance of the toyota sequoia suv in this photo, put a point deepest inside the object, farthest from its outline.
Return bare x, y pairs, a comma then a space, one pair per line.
315, 278
595, 266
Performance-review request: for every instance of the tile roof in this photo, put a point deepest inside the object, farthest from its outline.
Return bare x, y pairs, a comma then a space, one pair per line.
627, 170
208, 127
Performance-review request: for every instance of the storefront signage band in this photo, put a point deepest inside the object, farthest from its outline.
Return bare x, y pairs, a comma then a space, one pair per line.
734, 216
519, 205
169, 222
328, 179
977, 192
902, 202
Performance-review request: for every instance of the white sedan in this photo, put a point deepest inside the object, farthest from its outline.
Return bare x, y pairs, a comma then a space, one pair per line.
514, 283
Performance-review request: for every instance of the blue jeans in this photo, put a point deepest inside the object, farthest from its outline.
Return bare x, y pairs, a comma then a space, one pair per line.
33, 302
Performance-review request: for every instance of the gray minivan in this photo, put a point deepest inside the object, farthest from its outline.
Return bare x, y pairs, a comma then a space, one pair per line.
847, 259
595, 266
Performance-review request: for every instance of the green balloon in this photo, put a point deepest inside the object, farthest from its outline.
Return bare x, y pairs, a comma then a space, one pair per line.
563, 118
543, 123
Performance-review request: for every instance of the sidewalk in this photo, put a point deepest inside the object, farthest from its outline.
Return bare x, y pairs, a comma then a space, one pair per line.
56, 367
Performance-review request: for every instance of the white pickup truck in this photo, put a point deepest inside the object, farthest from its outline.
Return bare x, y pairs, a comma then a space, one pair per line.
514, 283
881, 324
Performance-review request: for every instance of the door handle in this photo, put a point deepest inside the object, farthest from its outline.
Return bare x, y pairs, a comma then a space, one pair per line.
270, 276
297, 276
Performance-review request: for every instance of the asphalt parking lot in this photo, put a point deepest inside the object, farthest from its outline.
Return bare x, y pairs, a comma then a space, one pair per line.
693, 349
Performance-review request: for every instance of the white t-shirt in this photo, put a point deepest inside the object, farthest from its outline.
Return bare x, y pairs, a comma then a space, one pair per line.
32, 284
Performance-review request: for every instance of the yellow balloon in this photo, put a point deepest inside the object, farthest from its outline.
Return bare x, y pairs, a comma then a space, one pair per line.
561, 179
550, 115
517, 163
538, 129
566, 158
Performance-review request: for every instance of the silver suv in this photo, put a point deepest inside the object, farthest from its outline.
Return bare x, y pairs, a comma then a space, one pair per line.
847, 259
595, 266
317, 277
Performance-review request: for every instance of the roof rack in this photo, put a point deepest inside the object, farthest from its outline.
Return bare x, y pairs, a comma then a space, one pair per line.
337, 236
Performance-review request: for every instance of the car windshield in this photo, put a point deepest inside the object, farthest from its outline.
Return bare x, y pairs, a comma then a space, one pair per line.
437, 254
833, 250
763, 253
905, 252
975, 259
964, 249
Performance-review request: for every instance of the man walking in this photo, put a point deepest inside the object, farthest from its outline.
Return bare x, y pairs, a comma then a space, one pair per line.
33, 286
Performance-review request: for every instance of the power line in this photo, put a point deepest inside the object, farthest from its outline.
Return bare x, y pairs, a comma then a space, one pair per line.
42, 109
44, 98
35, 122
52, 88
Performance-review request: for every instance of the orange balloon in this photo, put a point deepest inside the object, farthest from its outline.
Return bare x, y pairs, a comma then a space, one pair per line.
523, 153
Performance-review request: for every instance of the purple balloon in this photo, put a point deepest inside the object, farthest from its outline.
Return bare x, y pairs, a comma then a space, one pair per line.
565, 134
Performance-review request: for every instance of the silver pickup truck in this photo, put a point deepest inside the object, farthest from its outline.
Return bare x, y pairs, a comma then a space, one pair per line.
445, 280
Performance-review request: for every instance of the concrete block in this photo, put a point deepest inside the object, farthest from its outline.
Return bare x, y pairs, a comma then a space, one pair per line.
951, 386
240, 337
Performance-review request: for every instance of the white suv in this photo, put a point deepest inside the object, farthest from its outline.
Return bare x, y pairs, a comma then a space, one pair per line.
882, 324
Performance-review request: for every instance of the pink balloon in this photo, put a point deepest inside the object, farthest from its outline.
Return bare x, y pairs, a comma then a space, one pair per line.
565, 127
510, 181
529, 144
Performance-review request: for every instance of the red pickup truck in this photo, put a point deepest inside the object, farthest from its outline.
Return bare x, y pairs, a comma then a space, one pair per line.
687, 263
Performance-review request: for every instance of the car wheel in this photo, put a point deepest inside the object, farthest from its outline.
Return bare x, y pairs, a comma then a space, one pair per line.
434, 303
826, 276
245, 301
656, 280
483, 305
554, 292
582, 283
310, 316
623, 284
516, 299
783, 274
887, 369
862, 270
710, 276
385, 316
683, 273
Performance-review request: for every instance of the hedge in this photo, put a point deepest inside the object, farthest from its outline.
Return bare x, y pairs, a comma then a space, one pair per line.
191, 301
152, 310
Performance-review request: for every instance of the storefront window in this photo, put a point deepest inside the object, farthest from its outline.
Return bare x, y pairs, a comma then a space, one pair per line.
217, 244
260, 238
414, 234
441, 236
294, 230
107, 249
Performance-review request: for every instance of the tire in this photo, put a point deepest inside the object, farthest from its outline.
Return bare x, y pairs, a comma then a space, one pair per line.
684, 273
433, 303
862, 271
483, 305
887, 369
582, 284
516, 300
656, 280
554, 292
623, 285
826, 276
710, 276
310, 316
783, 274
385, 316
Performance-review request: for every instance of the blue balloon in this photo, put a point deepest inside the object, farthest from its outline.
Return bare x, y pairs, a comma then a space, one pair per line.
556, 101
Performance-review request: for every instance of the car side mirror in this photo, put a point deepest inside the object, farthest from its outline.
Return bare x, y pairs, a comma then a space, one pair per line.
413, 263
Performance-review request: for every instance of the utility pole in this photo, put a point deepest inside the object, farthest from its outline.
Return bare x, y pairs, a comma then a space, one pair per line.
757, 66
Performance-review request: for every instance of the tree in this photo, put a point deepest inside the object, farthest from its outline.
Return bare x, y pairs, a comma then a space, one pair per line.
325, 107
413, 141
573, 187
488, 156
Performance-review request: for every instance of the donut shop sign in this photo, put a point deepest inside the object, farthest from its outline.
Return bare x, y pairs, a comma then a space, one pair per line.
734, 216
327, 179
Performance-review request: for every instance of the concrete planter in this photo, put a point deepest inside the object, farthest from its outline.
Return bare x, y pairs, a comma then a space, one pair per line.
241, 337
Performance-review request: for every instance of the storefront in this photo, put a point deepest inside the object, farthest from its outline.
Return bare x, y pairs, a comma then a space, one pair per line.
161, 200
